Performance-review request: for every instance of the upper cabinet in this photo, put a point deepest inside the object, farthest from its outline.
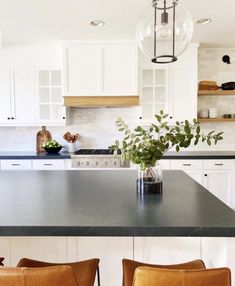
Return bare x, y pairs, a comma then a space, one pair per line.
100, 69
169, 87
31, 86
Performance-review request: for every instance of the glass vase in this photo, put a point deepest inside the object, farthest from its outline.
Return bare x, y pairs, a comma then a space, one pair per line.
149, 181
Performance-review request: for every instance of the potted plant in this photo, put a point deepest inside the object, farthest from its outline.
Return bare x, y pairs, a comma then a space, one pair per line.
145, 146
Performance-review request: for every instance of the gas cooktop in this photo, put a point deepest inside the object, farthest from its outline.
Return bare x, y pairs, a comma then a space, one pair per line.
95, 152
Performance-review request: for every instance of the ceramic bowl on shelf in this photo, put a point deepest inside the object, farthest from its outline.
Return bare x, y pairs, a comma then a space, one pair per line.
52, 150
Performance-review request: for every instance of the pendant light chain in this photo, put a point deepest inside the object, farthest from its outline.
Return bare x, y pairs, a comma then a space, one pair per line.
173, 52
155, 31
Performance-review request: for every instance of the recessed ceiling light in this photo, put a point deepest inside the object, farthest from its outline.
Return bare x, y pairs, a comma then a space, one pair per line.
97, 23
203, 21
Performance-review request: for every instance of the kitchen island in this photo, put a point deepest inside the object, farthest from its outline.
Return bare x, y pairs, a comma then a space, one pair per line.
74, 215
105, 203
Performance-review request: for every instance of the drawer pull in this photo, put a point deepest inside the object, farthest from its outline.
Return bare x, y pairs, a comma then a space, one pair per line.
219, 164
15, 164
47, 164
187, 164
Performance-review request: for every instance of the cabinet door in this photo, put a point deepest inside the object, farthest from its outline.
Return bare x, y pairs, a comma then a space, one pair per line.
82, 70
218, 182
50, 100
154, 92
166, 250
5, 93
191, 167
184, 93
110, 250
119, 69
23, 95
56, 164
16, 165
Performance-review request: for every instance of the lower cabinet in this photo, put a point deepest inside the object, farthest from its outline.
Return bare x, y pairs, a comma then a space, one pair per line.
166, 250
215, 175
54, 164
16, 164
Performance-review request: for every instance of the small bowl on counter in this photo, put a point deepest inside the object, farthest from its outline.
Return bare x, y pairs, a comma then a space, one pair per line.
53, 150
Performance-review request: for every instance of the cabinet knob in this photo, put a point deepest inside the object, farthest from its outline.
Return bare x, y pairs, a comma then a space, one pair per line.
12, 118
63, 117
205, 175
171, 117
140, 117
8, 118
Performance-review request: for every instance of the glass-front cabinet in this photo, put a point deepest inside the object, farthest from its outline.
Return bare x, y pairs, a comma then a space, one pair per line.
154, 92
50, 90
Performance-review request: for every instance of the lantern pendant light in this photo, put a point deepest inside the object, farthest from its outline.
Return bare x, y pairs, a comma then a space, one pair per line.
164, 31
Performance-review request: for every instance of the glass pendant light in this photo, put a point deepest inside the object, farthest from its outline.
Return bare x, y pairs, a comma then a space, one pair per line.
164, 31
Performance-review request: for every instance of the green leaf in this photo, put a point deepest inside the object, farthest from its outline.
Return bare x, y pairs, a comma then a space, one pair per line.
198, 129
121, 129
208, 141
177, 148
158, 117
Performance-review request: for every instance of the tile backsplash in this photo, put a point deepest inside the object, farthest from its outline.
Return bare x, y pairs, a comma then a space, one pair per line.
97, 125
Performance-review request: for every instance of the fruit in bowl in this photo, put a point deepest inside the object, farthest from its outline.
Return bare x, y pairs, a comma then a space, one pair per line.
52, 146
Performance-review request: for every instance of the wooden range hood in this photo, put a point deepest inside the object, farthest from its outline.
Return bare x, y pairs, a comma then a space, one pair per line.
101, 101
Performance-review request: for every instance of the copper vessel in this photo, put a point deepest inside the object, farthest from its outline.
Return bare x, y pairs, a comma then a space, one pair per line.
42, 137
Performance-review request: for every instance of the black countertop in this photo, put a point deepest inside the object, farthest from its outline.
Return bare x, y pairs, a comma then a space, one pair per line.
25, 155
105, 203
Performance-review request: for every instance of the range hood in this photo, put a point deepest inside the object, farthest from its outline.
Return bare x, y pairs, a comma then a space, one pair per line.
101, 101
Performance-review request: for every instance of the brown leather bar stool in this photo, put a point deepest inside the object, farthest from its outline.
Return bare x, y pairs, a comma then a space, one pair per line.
84, 271
1, 261
48, 276
147, 276
129, 267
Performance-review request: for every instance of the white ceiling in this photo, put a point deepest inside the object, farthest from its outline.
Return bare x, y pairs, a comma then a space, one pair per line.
48, 21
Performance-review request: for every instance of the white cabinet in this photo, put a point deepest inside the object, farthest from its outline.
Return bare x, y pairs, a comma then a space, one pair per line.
50, 100
172, 87
100, 69
5, 107
217, 178
191, 167
25, 96
154, 90
47, 164
215, 175
16, 165
166, 250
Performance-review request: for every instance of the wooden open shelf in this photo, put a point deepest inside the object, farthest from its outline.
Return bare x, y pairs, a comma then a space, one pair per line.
216, 119
218, 92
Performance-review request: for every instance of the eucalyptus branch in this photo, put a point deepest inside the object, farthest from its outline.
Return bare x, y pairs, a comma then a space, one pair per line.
144, 146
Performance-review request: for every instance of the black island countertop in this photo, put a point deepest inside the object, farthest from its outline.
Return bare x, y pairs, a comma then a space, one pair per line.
105, 203
31, 155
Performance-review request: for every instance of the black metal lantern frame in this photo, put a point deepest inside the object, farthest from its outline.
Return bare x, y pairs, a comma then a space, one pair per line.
168, 58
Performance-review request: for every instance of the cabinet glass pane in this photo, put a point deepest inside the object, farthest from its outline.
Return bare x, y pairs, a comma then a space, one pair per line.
147, 112
56, 94
56, 112
44, 94
55, 77
159, 107
147, 94
160, 77
43, 78
44, 112
160, 94
147, 77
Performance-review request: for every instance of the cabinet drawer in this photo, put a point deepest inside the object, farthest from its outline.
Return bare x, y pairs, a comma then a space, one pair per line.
218, 164
186, 164
48, 164
16, 165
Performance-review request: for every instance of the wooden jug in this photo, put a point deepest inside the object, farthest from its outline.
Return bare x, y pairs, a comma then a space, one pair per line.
42, 137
